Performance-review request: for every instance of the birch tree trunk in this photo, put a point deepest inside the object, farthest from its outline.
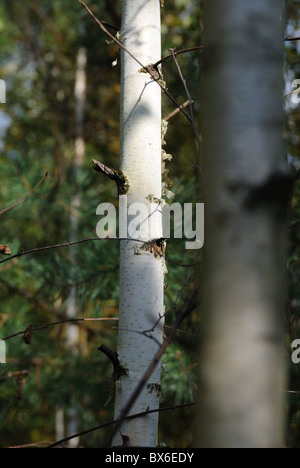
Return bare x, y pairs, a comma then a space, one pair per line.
141, 271
242, 372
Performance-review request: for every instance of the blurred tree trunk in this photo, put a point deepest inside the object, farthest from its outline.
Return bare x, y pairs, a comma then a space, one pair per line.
72, 334
141, 271
246, 190
72, 330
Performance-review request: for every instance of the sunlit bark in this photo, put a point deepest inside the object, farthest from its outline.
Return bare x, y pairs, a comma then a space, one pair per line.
141, 271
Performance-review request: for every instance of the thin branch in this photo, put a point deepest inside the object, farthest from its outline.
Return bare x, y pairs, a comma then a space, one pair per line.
176, 111
123, 414
147, 332
91, 319
69, 244
114, 357
292, 38
291, 92
132, 416
189, 99
47, 247
183, 51
109, 25
27, 196
185, 85
40, 444
101, 24
101, 319
167, 328
113, 174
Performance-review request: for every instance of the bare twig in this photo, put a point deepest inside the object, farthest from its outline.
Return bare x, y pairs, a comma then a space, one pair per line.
291, 92
167, 328
92, 319
109, 25
113, 174
189, 99
292, 38
25, 198
102, 26
176, 111
114, 357
174, 305
69, 244
185, 86
183, 51
110, 423
40, 444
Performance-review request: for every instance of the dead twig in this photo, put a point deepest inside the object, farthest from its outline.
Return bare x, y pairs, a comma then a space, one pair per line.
183, 51
189, 99
27, 196
27, 333
69, 244
292, 39
176, 111
117, 176
110, 423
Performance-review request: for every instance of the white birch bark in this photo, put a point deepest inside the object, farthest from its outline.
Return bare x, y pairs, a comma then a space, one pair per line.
242, 372
141, 272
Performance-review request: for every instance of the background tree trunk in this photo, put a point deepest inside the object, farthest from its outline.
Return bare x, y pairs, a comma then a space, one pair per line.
141, 271
242, 372
72, 330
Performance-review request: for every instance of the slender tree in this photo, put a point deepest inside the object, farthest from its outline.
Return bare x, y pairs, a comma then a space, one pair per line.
72, 331
242, 372
72, 334
141, 268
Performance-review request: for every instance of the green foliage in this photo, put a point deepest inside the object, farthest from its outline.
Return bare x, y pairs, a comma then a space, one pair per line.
178, 377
